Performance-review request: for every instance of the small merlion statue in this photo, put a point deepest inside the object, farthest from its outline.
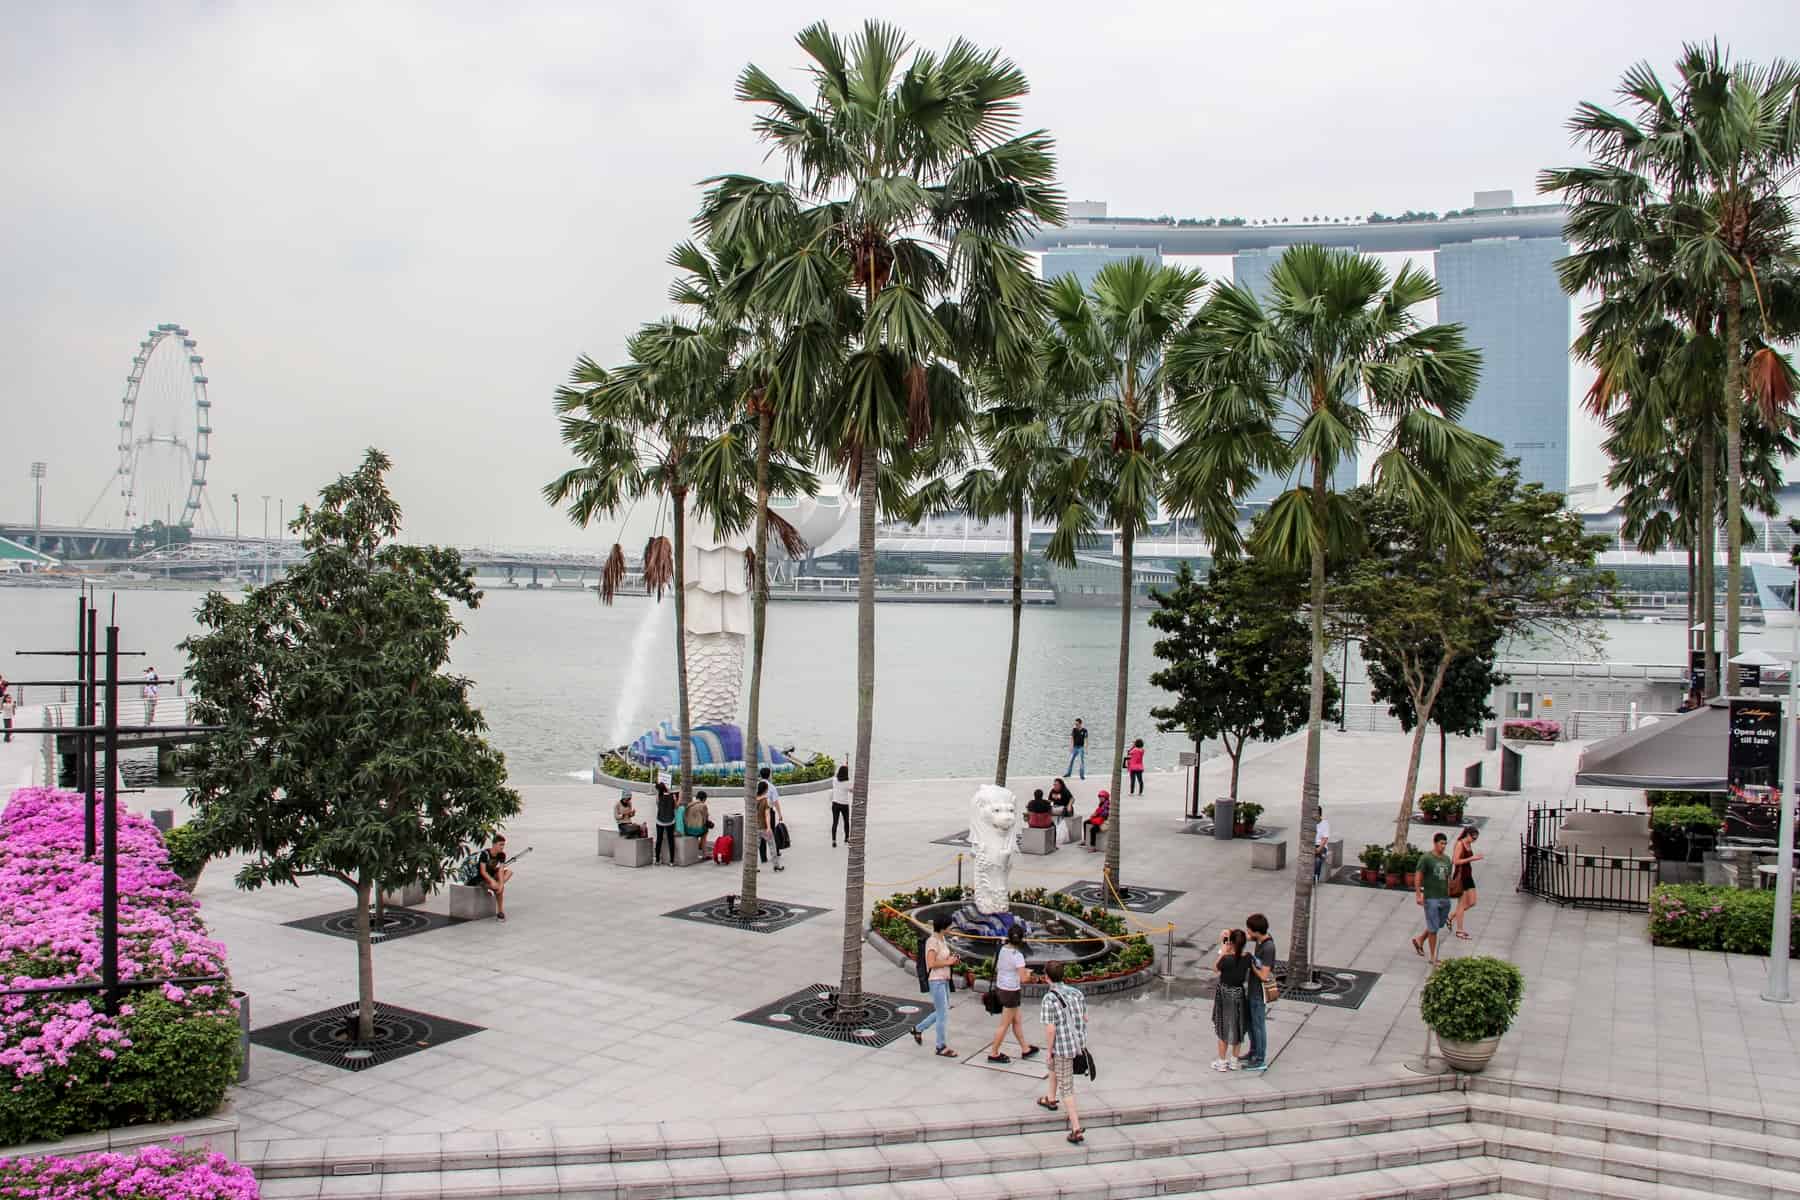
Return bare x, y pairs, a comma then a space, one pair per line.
994, 838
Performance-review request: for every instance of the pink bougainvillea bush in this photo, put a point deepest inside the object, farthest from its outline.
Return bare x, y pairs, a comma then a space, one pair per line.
65, 1065
153, 1173
1532, 731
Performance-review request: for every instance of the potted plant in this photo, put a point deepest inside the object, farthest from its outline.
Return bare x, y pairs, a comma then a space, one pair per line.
1469, 1003
1441, 808
1413, 855
1536, 730
1373, 856
187, 854
1243, 817
1393, 865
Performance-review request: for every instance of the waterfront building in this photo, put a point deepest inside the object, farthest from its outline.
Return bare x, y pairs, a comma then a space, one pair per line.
1085, 262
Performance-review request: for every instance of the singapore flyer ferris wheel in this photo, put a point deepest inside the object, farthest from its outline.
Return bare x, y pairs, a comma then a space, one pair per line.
165, 433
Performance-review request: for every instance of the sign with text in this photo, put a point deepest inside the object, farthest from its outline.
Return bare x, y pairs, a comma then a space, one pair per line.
1755, 753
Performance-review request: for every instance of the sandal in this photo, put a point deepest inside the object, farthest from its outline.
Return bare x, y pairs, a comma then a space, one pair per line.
1076, 1138
1051, 1105
1467, 937
1418, 947
1029, 1052
918, 1038
999, 1058
946, 1052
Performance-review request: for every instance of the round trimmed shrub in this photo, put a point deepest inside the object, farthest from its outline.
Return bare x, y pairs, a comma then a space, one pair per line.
1468, 999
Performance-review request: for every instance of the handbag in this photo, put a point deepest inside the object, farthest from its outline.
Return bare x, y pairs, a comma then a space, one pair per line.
1456, 885
1083, 1064
990, 1000
781, 836
1271, 992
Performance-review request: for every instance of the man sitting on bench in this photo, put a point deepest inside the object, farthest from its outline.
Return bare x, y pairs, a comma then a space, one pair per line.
492, 874
696, 821
1037, 812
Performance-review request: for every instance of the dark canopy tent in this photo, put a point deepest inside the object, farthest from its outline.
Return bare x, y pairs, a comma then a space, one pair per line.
1685, 752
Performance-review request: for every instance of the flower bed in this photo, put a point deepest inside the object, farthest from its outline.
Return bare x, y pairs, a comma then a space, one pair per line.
1129, 956
67, 1067
1441, 808
1531, 731
153, 1173
821, 767
1693, 916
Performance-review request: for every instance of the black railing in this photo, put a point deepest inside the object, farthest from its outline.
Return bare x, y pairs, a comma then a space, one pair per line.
1581, 876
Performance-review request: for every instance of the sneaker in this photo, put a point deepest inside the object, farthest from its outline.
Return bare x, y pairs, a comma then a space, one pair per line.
499, 916
1029, 1052
1218, 1064
1254, 1066
1234, 1065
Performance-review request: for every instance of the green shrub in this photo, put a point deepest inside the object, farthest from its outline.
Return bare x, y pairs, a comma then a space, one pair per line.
1655, 797
1373, 856
822, 767
1468, 999
188, 851
1694, 916
1437, 805
1131, 952
1402, 862
1246, 813
1683, 818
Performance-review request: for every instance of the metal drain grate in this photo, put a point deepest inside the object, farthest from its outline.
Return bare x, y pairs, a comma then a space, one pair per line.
772, 916
328, 1037
812, 1011
1095, 894
395, 923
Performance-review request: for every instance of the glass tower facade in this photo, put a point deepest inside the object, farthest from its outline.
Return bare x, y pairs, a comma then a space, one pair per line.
1505, 294
1084, 262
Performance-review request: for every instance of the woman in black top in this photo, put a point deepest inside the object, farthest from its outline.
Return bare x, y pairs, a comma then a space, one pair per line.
665, 822
1231, 1010
1061, 799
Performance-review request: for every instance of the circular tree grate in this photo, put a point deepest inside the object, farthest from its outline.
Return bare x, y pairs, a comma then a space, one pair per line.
1137, 899
394, 923
814, 1012
770, 917
329, 1037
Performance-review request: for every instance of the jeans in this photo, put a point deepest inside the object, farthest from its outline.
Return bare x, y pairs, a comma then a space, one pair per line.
840, 812
1077, 753
664, 833
1259, 1022
940, 1011
1437, 914
1137, 783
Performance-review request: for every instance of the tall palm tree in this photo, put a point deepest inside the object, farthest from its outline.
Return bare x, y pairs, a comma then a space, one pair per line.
1105, 357
910, 188
1336, 363
1709, 167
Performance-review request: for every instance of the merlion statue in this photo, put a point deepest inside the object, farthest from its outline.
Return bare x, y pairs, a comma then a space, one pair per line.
718, 622
994, 837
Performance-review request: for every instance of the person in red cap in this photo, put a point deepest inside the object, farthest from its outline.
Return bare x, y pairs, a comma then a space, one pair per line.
1097, 821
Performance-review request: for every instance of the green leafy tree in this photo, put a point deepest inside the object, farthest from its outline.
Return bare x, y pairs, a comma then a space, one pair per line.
908, 190
1236, 656
1462, 704
1104, 360
1529, 569
1278, 387
346, 750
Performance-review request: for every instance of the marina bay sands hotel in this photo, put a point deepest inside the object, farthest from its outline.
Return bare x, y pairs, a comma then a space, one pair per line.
1495, 263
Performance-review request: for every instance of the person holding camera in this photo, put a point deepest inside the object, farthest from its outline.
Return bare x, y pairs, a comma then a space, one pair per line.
939, 959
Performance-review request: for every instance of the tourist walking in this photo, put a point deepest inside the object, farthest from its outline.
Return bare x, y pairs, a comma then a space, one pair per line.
1077, 748
1231, 1011
768, 815
1134, 763
665, 823
1010, 978
1462, 877
1433, 892
9, 706
840, 803
939, 959
1063, 1010
1321, 842
1096, 821
492, 871
1262, 973
152, 685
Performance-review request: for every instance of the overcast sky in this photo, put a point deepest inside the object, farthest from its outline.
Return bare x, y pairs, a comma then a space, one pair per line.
397, 225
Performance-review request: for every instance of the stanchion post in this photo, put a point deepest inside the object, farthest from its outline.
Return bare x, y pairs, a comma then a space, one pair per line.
959, 873
92, 707
109, 851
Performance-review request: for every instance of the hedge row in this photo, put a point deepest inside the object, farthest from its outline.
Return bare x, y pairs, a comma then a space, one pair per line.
1694, 916
1129, 954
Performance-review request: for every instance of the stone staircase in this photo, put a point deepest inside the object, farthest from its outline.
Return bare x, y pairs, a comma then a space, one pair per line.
1401, 1136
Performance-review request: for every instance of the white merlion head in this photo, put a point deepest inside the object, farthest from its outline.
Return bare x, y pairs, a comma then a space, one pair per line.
995, 819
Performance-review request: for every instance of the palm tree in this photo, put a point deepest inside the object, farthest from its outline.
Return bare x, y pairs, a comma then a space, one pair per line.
908, 188
1105, 356
1279, 386
1706, 169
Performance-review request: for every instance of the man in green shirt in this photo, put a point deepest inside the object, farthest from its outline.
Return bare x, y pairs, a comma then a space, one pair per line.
1433, 892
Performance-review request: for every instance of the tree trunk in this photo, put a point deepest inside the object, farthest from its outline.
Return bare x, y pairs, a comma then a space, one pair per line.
1124, 688
1687, 634
759, 612
850, 987
1237, 760
1012, 658
1300, 937
1422, 706
1734, 476
365, 964
681, 664
1706, 542
1443, 773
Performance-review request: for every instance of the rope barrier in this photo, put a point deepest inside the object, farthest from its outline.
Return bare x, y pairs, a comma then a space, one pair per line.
1130, 918
988, 937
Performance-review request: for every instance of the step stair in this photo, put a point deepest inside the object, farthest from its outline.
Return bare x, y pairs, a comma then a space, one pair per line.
1417, 1137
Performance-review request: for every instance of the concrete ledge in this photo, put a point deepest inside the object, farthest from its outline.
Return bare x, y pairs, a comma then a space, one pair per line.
1268, 856
469, 903
1088, 987
687, 851
715, 791
218, 1134
406, 897
607, 839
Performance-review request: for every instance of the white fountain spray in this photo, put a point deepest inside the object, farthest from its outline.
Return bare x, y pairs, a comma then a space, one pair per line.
637, 676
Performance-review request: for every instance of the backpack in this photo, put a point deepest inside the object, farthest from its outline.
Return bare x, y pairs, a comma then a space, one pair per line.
471, 870
722, 847
781, 836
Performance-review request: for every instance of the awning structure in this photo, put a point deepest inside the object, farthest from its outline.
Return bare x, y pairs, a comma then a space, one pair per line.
1686, 752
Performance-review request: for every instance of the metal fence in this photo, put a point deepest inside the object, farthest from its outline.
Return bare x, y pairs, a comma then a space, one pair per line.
1579, 877
1578, 725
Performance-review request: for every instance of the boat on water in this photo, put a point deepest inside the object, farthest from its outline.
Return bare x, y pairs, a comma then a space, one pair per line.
1775, 588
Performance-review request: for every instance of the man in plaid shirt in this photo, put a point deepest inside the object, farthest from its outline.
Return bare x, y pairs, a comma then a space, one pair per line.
1064, 1013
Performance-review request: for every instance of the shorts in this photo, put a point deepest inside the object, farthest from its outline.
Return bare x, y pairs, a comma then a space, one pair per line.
1062, 1069
1437, 914
1008, 999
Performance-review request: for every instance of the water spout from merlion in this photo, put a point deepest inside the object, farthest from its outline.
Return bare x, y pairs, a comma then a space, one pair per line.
644, 641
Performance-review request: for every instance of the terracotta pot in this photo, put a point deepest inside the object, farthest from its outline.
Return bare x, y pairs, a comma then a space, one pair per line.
1412, 879
1468, 1056
1393, 880
1242, 830
1370, 875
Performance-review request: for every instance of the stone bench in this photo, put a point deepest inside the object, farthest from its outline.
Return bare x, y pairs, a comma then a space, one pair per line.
1334, 853
688, 851
1038, 841
470, 903
1268, 856
406, 897
609, 835
633, 852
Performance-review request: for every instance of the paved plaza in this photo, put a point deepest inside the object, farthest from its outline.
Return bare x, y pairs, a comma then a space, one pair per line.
598, 1011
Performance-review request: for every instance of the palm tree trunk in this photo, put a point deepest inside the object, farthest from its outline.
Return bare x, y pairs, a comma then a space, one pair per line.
365, 964
850, 987
681, 663
1691, 587
1706, 542
1734, 476
1012, 658
1300, 937
759, 612
1124, 687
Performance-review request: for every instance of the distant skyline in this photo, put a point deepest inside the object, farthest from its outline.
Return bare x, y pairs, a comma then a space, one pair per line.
398, 225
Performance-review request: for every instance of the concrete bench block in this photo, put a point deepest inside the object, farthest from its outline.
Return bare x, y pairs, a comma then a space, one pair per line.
687, 851
1334, 857
469, 903
1073, 824
1038, 841
633, 852
608, 837
1268, 856
406, 897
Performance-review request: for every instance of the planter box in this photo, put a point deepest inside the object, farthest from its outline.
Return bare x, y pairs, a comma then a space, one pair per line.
1468, 1056
216, 1134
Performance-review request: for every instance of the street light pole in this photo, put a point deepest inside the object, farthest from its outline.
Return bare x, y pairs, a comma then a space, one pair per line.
37, 521
237, 560
265, 545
